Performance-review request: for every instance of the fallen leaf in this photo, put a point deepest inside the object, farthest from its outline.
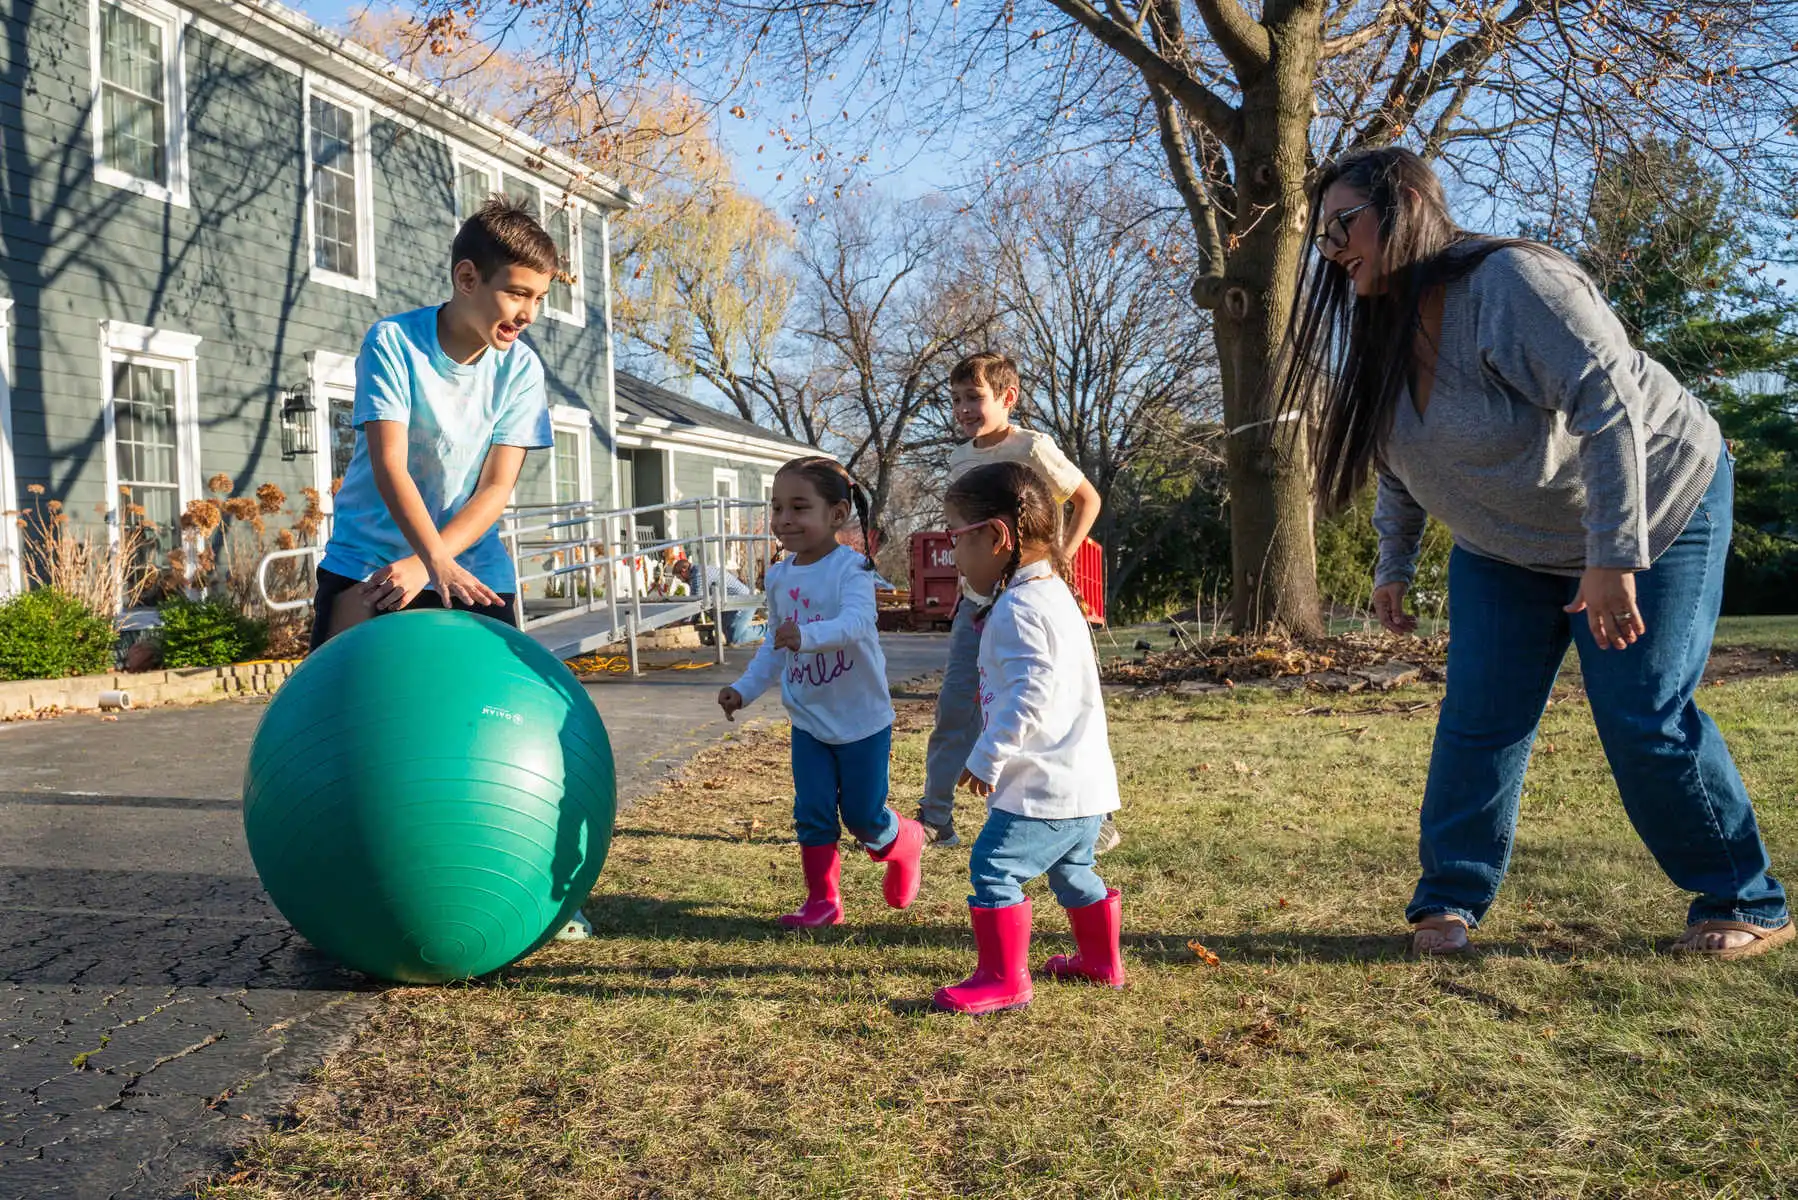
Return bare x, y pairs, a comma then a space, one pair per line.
1205, 956
1337, 1177
1282, 902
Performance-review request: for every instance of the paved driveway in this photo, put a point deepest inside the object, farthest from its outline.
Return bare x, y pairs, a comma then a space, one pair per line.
156, 1012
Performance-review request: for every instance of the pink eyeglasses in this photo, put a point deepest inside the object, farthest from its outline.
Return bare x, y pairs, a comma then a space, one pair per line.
955, 535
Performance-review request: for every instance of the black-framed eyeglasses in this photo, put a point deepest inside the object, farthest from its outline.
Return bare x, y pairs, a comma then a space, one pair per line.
1334, 234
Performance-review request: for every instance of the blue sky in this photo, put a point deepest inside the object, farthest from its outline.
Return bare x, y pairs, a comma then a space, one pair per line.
779, 181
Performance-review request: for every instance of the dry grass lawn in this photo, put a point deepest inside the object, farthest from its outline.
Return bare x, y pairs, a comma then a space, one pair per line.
694, 1049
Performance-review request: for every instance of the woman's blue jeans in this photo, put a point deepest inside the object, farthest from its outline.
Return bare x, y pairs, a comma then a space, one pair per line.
1508, 635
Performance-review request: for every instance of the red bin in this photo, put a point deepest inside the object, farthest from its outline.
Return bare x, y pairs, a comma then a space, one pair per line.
934, 579
1089, 580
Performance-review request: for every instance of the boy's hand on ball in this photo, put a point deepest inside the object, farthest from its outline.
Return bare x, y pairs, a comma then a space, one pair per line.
730, 700
975, 783
397, 584
787, 636
454, 582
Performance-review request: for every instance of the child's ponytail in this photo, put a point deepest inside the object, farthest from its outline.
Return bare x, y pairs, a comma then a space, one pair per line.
863, 502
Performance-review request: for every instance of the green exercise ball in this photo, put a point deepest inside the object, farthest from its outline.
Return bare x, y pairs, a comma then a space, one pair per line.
429, 797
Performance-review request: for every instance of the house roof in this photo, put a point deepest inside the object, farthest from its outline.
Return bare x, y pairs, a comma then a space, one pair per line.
296, 36
653, 409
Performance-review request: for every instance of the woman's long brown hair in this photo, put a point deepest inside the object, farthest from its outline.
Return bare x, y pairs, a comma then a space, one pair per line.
1347, 359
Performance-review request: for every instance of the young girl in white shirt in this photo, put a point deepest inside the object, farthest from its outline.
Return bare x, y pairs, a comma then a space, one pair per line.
1043, 760
825, 652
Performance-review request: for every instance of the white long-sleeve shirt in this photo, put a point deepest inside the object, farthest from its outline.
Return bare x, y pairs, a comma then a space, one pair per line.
835, 687
1043, 744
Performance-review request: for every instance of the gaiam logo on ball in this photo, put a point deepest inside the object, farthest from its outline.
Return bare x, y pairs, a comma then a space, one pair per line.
502, 714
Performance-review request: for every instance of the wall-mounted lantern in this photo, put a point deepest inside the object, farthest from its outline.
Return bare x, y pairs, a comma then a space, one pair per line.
297, 436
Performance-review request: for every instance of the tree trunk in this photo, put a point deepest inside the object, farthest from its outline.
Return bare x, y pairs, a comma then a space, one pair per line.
1273, 560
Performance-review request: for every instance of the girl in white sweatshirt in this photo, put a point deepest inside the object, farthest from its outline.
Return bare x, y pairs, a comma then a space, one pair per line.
1043, 760
825, 653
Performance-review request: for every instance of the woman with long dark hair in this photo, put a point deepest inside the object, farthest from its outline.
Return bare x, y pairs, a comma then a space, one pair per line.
1487, 382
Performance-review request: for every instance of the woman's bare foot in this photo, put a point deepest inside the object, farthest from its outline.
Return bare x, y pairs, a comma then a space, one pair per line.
1731, 939
1437, 935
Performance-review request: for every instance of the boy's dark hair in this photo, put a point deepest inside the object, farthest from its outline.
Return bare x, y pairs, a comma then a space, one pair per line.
503, 233
989, 368
836, 486
1019, 496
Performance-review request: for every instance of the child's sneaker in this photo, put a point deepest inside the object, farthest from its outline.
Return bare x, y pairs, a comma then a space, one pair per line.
943, 837
1108, 838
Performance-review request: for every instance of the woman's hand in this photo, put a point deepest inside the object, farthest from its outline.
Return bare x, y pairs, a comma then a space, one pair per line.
1607, 595
1389, 607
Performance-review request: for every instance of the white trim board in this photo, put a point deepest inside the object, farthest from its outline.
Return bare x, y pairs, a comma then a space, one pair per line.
327, 371
11, 546
637, 441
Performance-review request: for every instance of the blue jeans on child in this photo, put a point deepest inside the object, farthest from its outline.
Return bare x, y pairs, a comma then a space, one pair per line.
741, 626
1679, 785
852, 779
957, 725
1012, 850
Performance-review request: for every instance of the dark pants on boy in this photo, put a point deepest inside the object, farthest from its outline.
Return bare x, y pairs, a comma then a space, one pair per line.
332, 585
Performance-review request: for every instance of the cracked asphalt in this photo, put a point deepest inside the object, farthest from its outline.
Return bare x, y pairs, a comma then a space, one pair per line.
156, 1012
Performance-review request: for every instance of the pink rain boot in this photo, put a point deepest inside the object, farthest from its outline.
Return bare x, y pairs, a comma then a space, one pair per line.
823, 903
901, 857
1097, 956
1002, 978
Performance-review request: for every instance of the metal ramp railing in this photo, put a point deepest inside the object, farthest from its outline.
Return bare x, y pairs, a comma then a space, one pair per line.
590, 577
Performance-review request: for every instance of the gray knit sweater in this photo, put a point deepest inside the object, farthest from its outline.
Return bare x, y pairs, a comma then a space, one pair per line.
1549, 441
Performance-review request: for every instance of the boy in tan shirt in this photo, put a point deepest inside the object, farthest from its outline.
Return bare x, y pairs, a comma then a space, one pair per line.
984, 390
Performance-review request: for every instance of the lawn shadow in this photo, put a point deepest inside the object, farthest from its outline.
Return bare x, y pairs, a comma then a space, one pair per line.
785, 839
627, 915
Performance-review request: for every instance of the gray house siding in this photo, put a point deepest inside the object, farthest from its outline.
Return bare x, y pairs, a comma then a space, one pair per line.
232, 267
694, 475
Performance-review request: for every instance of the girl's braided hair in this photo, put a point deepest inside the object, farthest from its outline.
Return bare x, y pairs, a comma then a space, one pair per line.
837, 486
1017, 495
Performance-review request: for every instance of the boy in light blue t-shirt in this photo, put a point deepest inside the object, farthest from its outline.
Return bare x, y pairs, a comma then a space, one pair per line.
448, 400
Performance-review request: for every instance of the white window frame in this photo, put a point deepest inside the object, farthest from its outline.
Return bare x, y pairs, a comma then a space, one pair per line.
363, 282
577, 313
327, 371
565, 418
736, 524
548, 198
121, 341
173, 22
11, 545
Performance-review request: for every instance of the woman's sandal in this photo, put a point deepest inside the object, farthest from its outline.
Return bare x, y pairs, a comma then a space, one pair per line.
1761, 940
1438, 936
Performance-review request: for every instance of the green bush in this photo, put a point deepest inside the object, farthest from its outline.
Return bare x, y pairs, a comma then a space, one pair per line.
1348, 547
1761, 577
46, 634
208, 633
